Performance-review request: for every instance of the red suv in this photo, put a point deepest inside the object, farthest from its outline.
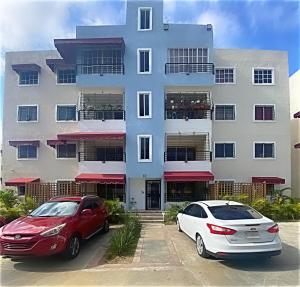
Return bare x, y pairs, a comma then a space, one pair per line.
57, 226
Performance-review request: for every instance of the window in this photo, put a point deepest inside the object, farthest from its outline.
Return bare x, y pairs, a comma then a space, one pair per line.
109, 154
197, 211
187, 60
29, 78
224, 150
234, 212
66, 151
264, 112
66, 113
181, 154
263, 76
144, 61
27, 113
225, 112
66, 76
144, 148
144, 19
21, 190
144, 100
27, 152
264, 150
224, 75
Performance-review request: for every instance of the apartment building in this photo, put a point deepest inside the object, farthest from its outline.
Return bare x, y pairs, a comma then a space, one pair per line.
147, 112
295, 128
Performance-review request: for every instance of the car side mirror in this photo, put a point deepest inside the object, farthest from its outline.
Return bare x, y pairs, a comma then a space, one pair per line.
86, 212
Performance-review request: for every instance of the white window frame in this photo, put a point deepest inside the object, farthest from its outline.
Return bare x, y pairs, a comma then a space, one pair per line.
150, 60
32, 158
150, 104
63, 121
234, 75
264, 68
64, 84
37, 114
139, 19
66, 158
225, 142
264, 121
225, 105
29, 85
139, 148
264, 158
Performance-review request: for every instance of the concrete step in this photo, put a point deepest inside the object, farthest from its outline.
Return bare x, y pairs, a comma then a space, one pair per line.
148, 217
151, 221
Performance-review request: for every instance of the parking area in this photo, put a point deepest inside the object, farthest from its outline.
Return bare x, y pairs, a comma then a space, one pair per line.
164, 257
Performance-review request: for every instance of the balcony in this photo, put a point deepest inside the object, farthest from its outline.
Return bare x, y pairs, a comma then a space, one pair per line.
100, 69
188, 153
188, 112
101, 112
102, 156
189, 68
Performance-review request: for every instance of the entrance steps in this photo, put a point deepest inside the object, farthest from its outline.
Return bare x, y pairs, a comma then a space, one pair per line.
153, 216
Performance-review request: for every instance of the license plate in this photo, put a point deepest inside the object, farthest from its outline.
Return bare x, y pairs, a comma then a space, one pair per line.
252, 234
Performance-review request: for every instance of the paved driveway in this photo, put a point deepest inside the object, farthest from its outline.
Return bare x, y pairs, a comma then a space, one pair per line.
164, 257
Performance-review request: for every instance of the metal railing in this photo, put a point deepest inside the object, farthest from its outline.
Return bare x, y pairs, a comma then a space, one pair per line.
101, 115
189, 68
100, 69
103, 157
187, 114
186, 155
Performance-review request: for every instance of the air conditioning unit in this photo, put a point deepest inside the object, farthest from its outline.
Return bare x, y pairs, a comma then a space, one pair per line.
166, 27
209, 27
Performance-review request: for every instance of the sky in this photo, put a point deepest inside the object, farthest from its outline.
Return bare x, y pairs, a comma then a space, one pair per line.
252, 24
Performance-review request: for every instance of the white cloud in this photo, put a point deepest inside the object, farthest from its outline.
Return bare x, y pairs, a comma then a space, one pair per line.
226, 27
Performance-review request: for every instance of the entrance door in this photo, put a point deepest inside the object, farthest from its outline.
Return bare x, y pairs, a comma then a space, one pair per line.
153, 194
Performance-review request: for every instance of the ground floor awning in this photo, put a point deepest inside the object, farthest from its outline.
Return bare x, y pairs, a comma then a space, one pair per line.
268, 179
21, 181
297, 145
91, 136
176, 176
101, 178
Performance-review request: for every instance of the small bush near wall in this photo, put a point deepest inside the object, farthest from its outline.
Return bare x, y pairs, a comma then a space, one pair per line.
13, 207
173, 210
124, 241
115, 211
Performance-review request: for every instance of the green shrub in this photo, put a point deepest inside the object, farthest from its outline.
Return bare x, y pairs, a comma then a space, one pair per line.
27, 205
115, 210
8, 199
243, 198
124, 242
173, 210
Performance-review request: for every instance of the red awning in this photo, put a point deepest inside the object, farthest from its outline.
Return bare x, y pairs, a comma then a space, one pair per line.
53, 143
188, 176
297, 145
101, 178
91, 136
268, 179
24, 142
297, 115
21, 181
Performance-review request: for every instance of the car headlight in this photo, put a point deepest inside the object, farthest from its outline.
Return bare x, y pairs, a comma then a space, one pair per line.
53, 231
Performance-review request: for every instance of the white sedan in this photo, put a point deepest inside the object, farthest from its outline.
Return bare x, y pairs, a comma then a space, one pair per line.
228, 229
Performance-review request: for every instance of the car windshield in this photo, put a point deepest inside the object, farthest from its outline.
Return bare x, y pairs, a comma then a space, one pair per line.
234, 212
56, 208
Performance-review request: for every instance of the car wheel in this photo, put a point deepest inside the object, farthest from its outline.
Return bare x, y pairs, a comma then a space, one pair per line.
201, 247
178, 226
73, 247
106, 226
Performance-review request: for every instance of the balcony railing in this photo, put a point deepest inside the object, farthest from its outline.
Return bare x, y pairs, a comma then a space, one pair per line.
187, 114
189, 68
101, 115
117, 155
187, 154
100, 69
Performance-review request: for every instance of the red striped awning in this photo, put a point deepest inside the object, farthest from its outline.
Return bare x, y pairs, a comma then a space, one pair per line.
21, 181
24, 142
297, 115
268, 179
188, 176
101, 178
91, 136
297, 145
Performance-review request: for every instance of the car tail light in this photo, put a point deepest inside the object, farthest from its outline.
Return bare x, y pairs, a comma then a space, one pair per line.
274, 229
215, 229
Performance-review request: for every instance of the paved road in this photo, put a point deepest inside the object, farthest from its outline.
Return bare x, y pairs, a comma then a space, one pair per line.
164, 257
